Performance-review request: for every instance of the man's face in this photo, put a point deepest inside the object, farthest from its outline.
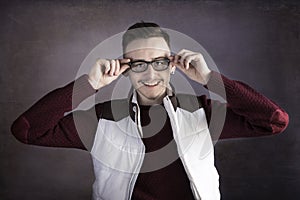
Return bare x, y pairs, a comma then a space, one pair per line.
150, 85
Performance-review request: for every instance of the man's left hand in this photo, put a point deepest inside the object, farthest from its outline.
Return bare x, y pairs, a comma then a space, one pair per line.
193, 65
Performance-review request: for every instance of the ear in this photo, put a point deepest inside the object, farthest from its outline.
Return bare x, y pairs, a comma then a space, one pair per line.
173, 68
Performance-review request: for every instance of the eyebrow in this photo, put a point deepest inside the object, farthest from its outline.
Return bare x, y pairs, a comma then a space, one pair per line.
132, 60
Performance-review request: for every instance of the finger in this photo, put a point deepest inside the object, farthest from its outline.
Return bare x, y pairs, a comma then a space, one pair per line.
182, 51
124, 60
182, 68
171, 58
112, 67
176, 59
188, 60
181, 57
184, 58
107, 66
117, 68
123, 68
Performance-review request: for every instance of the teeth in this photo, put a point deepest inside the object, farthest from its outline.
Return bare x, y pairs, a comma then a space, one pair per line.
150, 84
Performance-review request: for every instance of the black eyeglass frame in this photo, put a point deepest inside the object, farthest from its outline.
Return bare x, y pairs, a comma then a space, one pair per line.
148, 63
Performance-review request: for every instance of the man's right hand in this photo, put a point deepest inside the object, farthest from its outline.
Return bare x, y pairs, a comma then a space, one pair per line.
105, 71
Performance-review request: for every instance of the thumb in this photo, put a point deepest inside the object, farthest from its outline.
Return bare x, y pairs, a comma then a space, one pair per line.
123, 68
124, 60
178, 65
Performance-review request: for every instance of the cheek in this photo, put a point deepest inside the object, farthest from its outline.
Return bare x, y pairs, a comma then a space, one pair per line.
133, 79
166, 75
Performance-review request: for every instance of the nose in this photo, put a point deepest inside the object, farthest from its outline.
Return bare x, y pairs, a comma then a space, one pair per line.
150, 72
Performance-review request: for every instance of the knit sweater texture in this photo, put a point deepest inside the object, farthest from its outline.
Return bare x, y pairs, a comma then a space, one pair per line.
248, 114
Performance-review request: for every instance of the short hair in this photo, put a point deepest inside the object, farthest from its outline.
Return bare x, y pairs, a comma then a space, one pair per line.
143, 30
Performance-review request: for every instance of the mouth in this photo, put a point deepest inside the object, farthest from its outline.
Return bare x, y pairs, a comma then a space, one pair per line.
150, 84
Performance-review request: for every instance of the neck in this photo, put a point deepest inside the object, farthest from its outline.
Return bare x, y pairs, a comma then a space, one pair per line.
149, 102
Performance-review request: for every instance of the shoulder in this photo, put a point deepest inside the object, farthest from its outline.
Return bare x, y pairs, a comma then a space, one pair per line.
190, 102
115, 110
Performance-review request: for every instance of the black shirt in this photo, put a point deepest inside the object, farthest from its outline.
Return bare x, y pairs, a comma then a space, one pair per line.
162, 175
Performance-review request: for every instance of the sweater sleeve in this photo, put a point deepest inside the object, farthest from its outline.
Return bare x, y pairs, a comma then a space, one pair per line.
45, 123
248, 113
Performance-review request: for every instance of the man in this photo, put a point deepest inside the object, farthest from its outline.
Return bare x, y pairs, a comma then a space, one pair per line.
126, 135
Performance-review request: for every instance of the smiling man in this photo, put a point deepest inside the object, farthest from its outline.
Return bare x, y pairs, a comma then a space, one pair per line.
156, 144
150, 82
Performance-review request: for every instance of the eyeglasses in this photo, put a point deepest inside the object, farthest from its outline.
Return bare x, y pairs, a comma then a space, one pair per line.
158, 64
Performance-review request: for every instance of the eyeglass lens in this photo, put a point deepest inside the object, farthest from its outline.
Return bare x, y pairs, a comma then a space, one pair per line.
158, 65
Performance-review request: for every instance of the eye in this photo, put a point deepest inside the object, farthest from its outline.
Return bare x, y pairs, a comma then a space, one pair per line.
138, 65
161, 62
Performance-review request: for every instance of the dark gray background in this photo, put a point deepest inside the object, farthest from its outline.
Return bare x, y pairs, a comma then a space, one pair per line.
43, 44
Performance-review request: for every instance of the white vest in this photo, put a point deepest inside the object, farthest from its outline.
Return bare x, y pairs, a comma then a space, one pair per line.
118, 153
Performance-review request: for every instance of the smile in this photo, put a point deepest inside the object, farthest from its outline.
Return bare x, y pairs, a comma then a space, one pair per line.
151, 84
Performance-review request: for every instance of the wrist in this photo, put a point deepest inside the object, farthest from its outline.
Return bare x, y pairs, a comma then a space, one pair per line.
206, 77
95, 85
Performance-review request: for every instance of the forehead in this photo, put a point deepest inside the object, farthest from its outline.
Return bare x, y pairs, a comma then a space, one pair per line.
147, 48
